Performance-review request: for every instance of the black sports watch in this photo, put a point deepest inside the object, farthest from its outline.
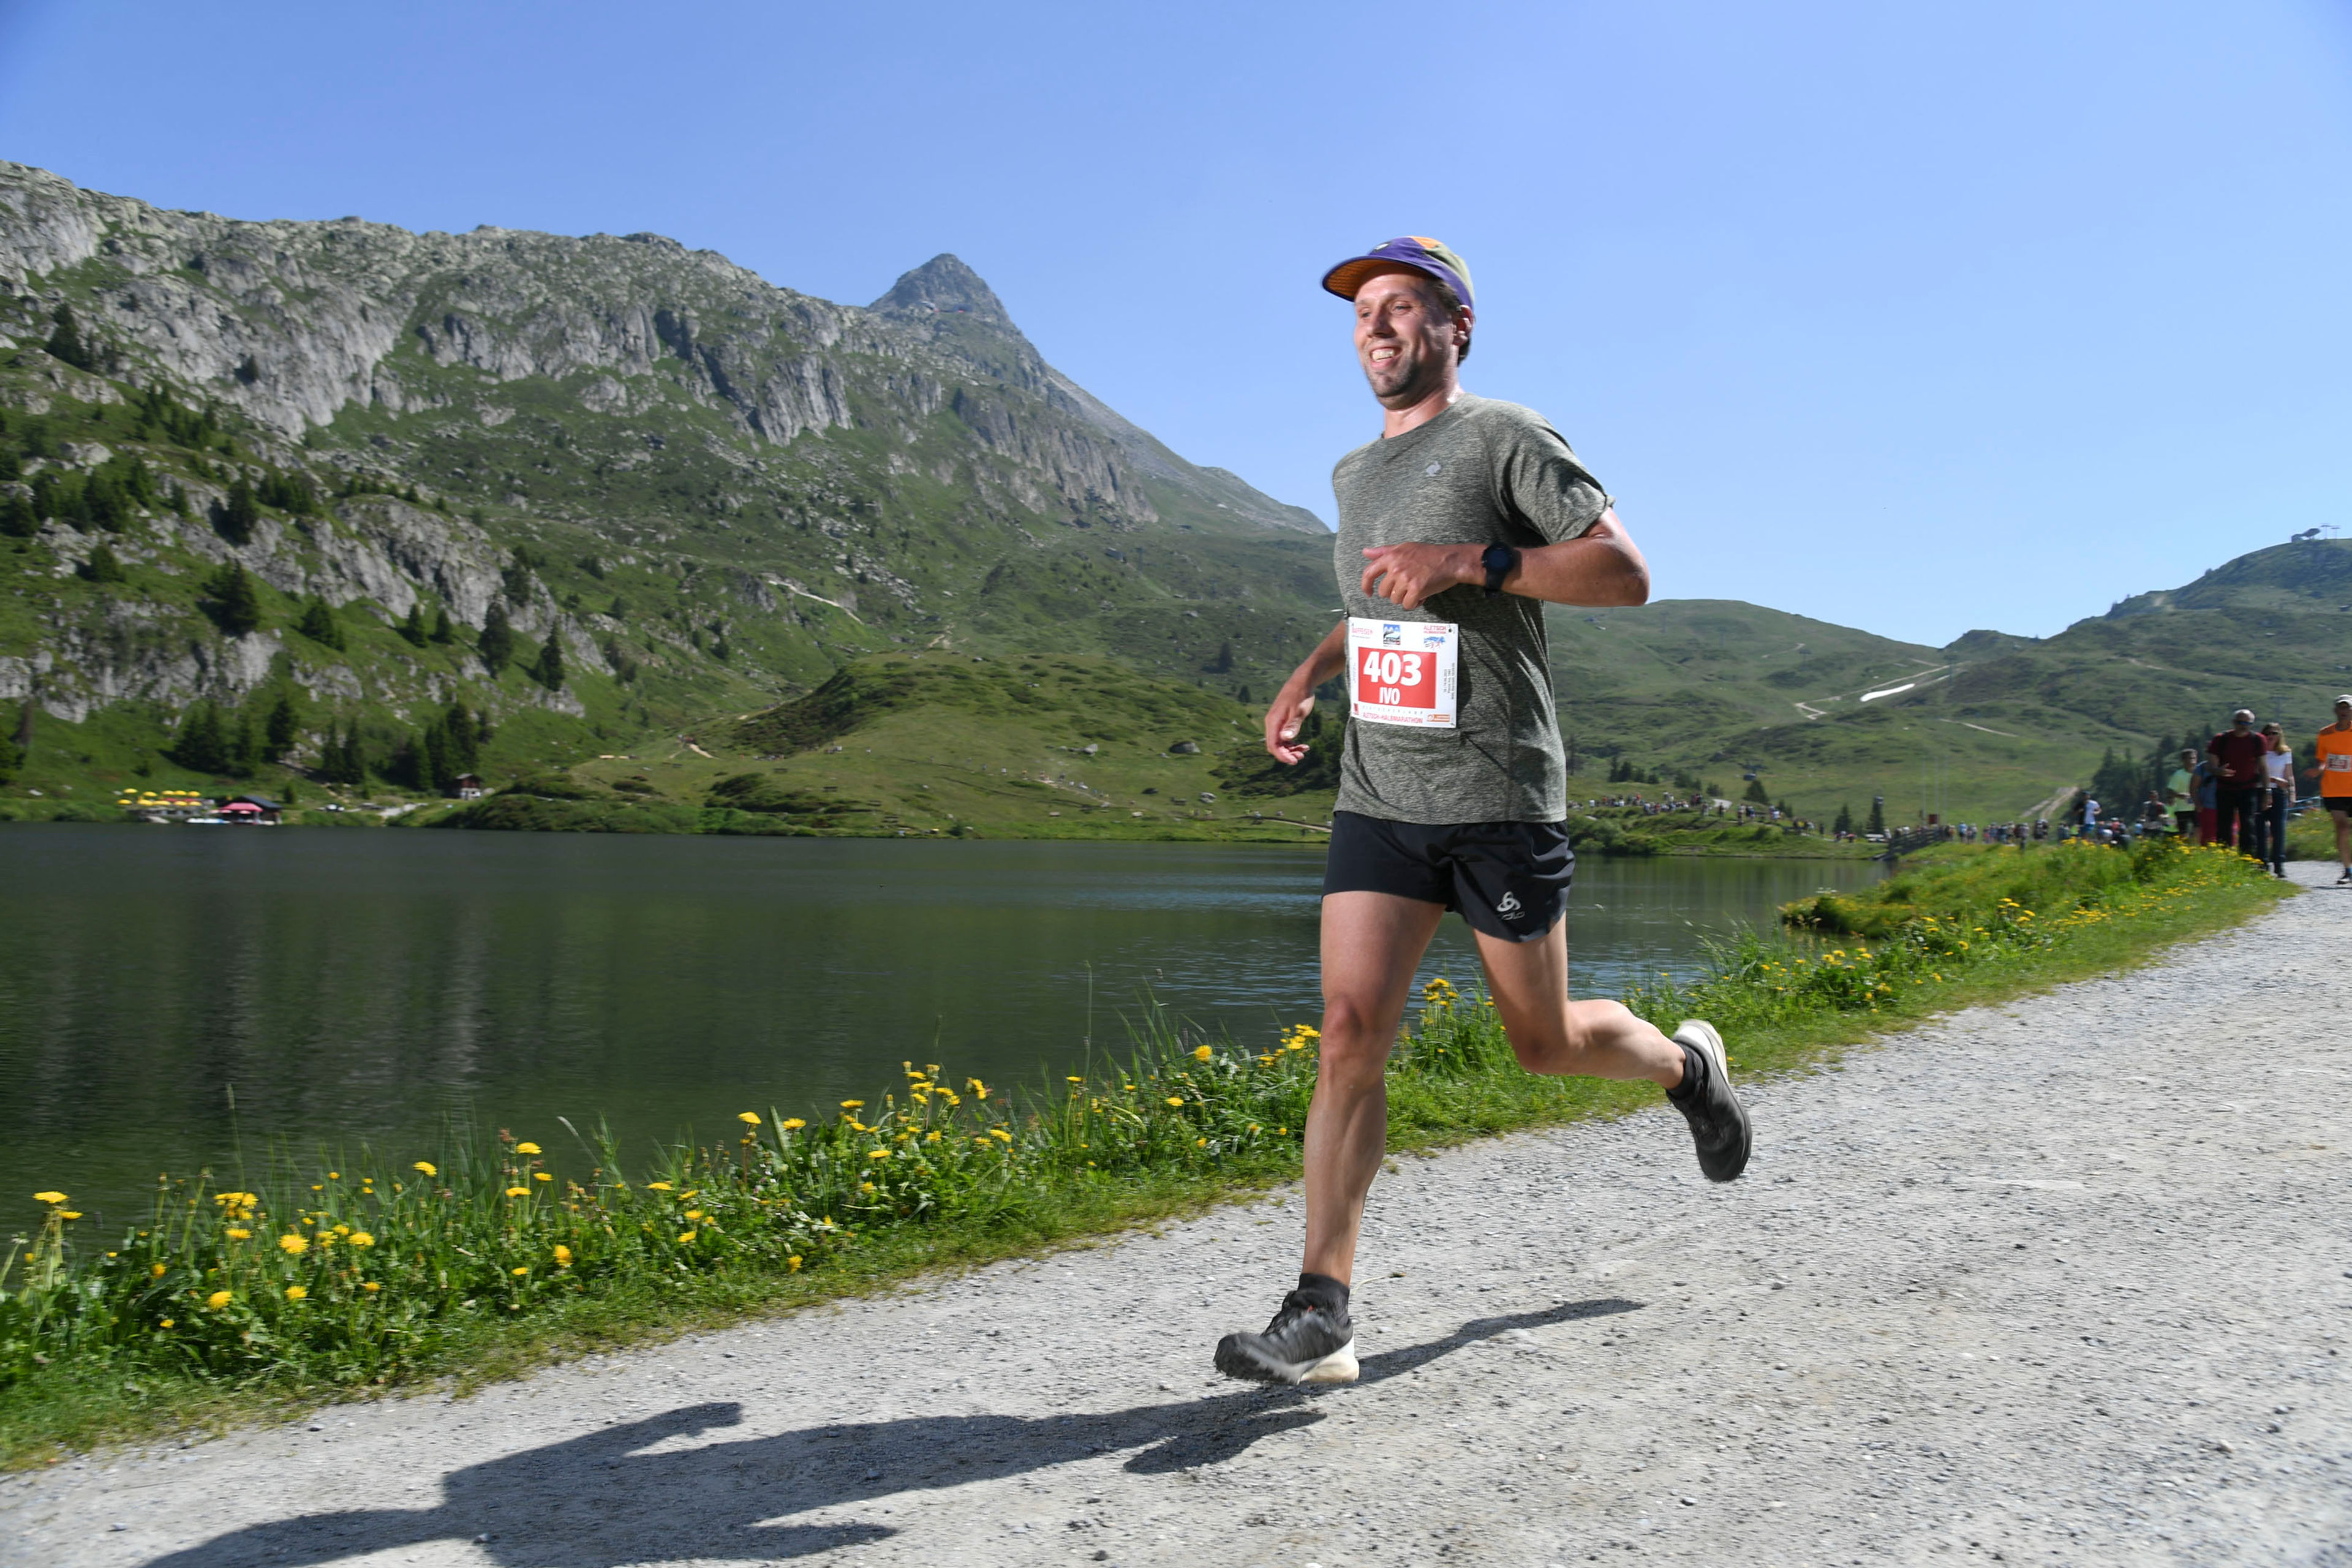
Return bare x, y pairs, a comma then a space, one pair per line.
1500, 561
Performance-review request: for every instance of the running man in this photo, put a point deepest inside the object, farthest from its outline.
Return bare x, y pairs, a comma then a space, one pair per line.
1456, 526
2331, 759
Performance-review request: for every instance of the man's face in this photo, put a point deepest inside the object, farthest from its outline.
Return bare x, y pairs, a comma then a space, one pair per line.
2242, 721
2344, 714
1403, 340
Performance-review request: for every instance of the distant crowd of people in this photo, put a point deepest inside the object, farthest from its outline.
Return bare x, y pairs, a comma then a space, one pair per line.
2239, 791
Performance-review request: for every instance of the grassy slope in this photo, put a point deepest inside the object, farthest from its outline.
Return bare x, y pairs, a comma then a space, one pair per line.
1997, 723
929, 743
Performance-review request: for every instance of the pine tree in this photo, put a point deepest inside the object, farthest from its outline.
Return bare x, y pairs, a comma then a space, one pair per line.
465, 738
176, 498
413, 629
65, 342
497, 642
547, 669
319, 623
283, 725
1755, 792
1878, 823
16, 518
1844, 823
202, 744
443, 631
237, 603
238, 513
101, 566
243, 749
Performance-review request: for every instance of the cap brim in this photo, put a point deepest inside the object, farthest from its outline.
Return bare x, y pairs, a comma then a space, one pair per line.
1351, 275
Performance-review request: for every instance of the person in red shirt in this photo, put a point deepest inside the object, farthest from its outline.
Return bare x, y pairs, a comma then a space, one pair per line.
2237, 754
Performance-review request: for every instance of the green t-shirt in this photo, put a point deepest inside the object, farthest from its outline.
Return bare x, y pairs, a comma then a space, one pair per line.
2179, 783
1482, 472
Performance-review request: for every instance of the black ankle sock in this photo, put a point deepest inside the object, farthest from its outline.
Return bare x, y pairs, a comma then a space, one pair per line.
1324, 1291
1694, 1075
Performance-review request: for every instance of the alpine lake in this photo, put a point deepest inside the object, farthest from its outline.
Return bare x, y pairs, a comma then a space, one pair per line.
178, 998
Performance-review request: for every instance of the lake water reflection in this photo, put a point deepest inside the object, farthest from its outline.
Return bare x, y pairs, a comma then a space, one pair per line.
340, 987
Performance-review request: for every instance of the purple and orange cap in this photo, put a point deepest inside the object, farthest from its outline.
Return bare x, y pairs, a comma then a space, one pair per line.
1417, 251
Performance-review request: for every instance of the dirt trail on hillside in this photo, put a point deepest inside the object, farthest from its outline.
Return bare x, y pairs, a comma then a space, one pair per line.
2061, 1281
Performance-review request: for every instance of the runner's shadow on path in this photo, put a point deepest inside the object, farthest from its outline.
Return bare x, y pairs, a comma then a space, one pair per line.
600, 1500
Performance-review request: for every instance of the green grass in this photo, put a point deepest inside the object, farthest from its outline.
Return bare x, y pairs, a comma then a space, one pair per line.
486, 1256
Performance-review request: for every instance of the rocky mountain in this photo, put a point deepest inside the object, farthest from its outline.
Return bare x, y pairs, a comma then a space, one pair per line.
703, 491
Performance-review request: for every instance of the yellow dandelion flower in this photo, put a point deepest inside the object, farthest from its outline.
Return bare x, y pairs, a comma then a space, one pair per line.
793, 1263
1076, 1079
238, 1233
371, 1286
362, 1239
853, 1105
159, 1271
518, 1192
520, 1272
685, 1238
427, 1166
1000, 1133
1201, 1053
656, 1186
1175, 1099
166, 1324
296, 1292
218, 1300
48, 1197
541, 1176
694, 1214
867, 1187
794, 1123
562, 1256
293, 1246
527, 1149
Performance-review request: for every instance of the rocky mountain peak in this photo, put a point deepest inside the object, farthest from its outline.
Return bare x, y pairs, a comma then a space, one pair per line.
944, 286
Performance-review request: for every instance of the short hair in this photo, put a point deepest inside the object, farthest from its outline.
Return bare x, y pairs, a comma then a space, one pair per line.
1447, 301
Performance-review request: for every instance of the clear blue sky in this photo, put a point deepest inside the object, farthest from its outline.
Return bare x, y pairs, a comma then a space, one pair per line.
1913, 318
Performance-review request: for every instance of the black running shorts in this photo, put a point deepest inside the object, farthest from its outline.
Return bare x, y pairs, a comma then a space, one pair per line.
2341, 805
1508, 880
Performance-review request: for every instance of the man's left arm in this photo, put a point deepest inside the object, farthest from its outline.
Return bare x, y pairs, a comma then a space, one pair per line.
1600, 567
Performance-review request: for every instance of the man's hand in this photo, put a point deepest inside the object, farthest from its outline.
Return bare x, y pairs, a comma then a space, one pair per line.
1416, 573
1290, 708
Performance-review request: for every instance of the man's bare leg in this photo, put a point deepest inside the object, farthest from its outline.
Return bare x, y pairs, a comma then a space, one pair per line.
1371, 944
1558, 1038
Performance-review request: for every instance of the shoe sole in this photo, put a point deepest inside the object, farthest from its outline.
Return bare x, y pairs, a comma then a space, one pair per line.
1237, 1360
1701, 1033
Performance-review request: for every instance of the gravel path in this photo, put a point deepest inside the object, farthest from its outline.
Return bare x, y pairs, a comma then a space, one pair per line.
2064, 1282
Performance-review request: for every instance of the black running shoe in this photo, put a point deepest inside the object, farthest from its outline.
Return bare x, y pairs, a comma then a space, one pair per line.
1306, 1342
1718, 1122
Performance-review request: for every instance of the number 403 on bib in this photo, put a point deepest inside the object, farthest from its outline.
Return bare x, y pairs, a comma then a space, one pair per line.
1403, 672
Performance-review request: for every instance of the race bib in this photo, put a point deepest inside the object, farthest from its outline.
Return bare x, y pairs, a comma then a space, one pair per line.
2339, 762
1402, 672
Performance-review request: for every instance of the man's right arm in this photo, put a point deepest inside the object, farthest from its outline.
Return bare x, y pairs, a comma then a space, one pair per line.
1296, 698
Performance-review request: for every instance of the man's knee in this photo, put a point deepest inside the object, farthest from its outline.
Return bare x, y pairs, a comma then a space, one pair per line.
1355, 1043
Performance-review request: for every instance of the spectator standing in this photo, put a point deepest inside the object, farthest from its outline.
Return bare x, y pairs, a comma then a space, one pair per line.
2208, 801
2181, 789
2236, 755
2280, 765
2331, 759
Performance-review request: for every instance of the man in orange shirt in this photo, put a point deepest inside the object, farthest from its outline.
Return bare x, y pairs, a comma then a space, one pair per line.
2331, 755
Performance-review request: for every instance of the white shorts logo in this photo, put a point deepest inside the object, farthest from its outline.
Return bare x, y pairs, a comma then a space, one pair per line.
1509, 908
